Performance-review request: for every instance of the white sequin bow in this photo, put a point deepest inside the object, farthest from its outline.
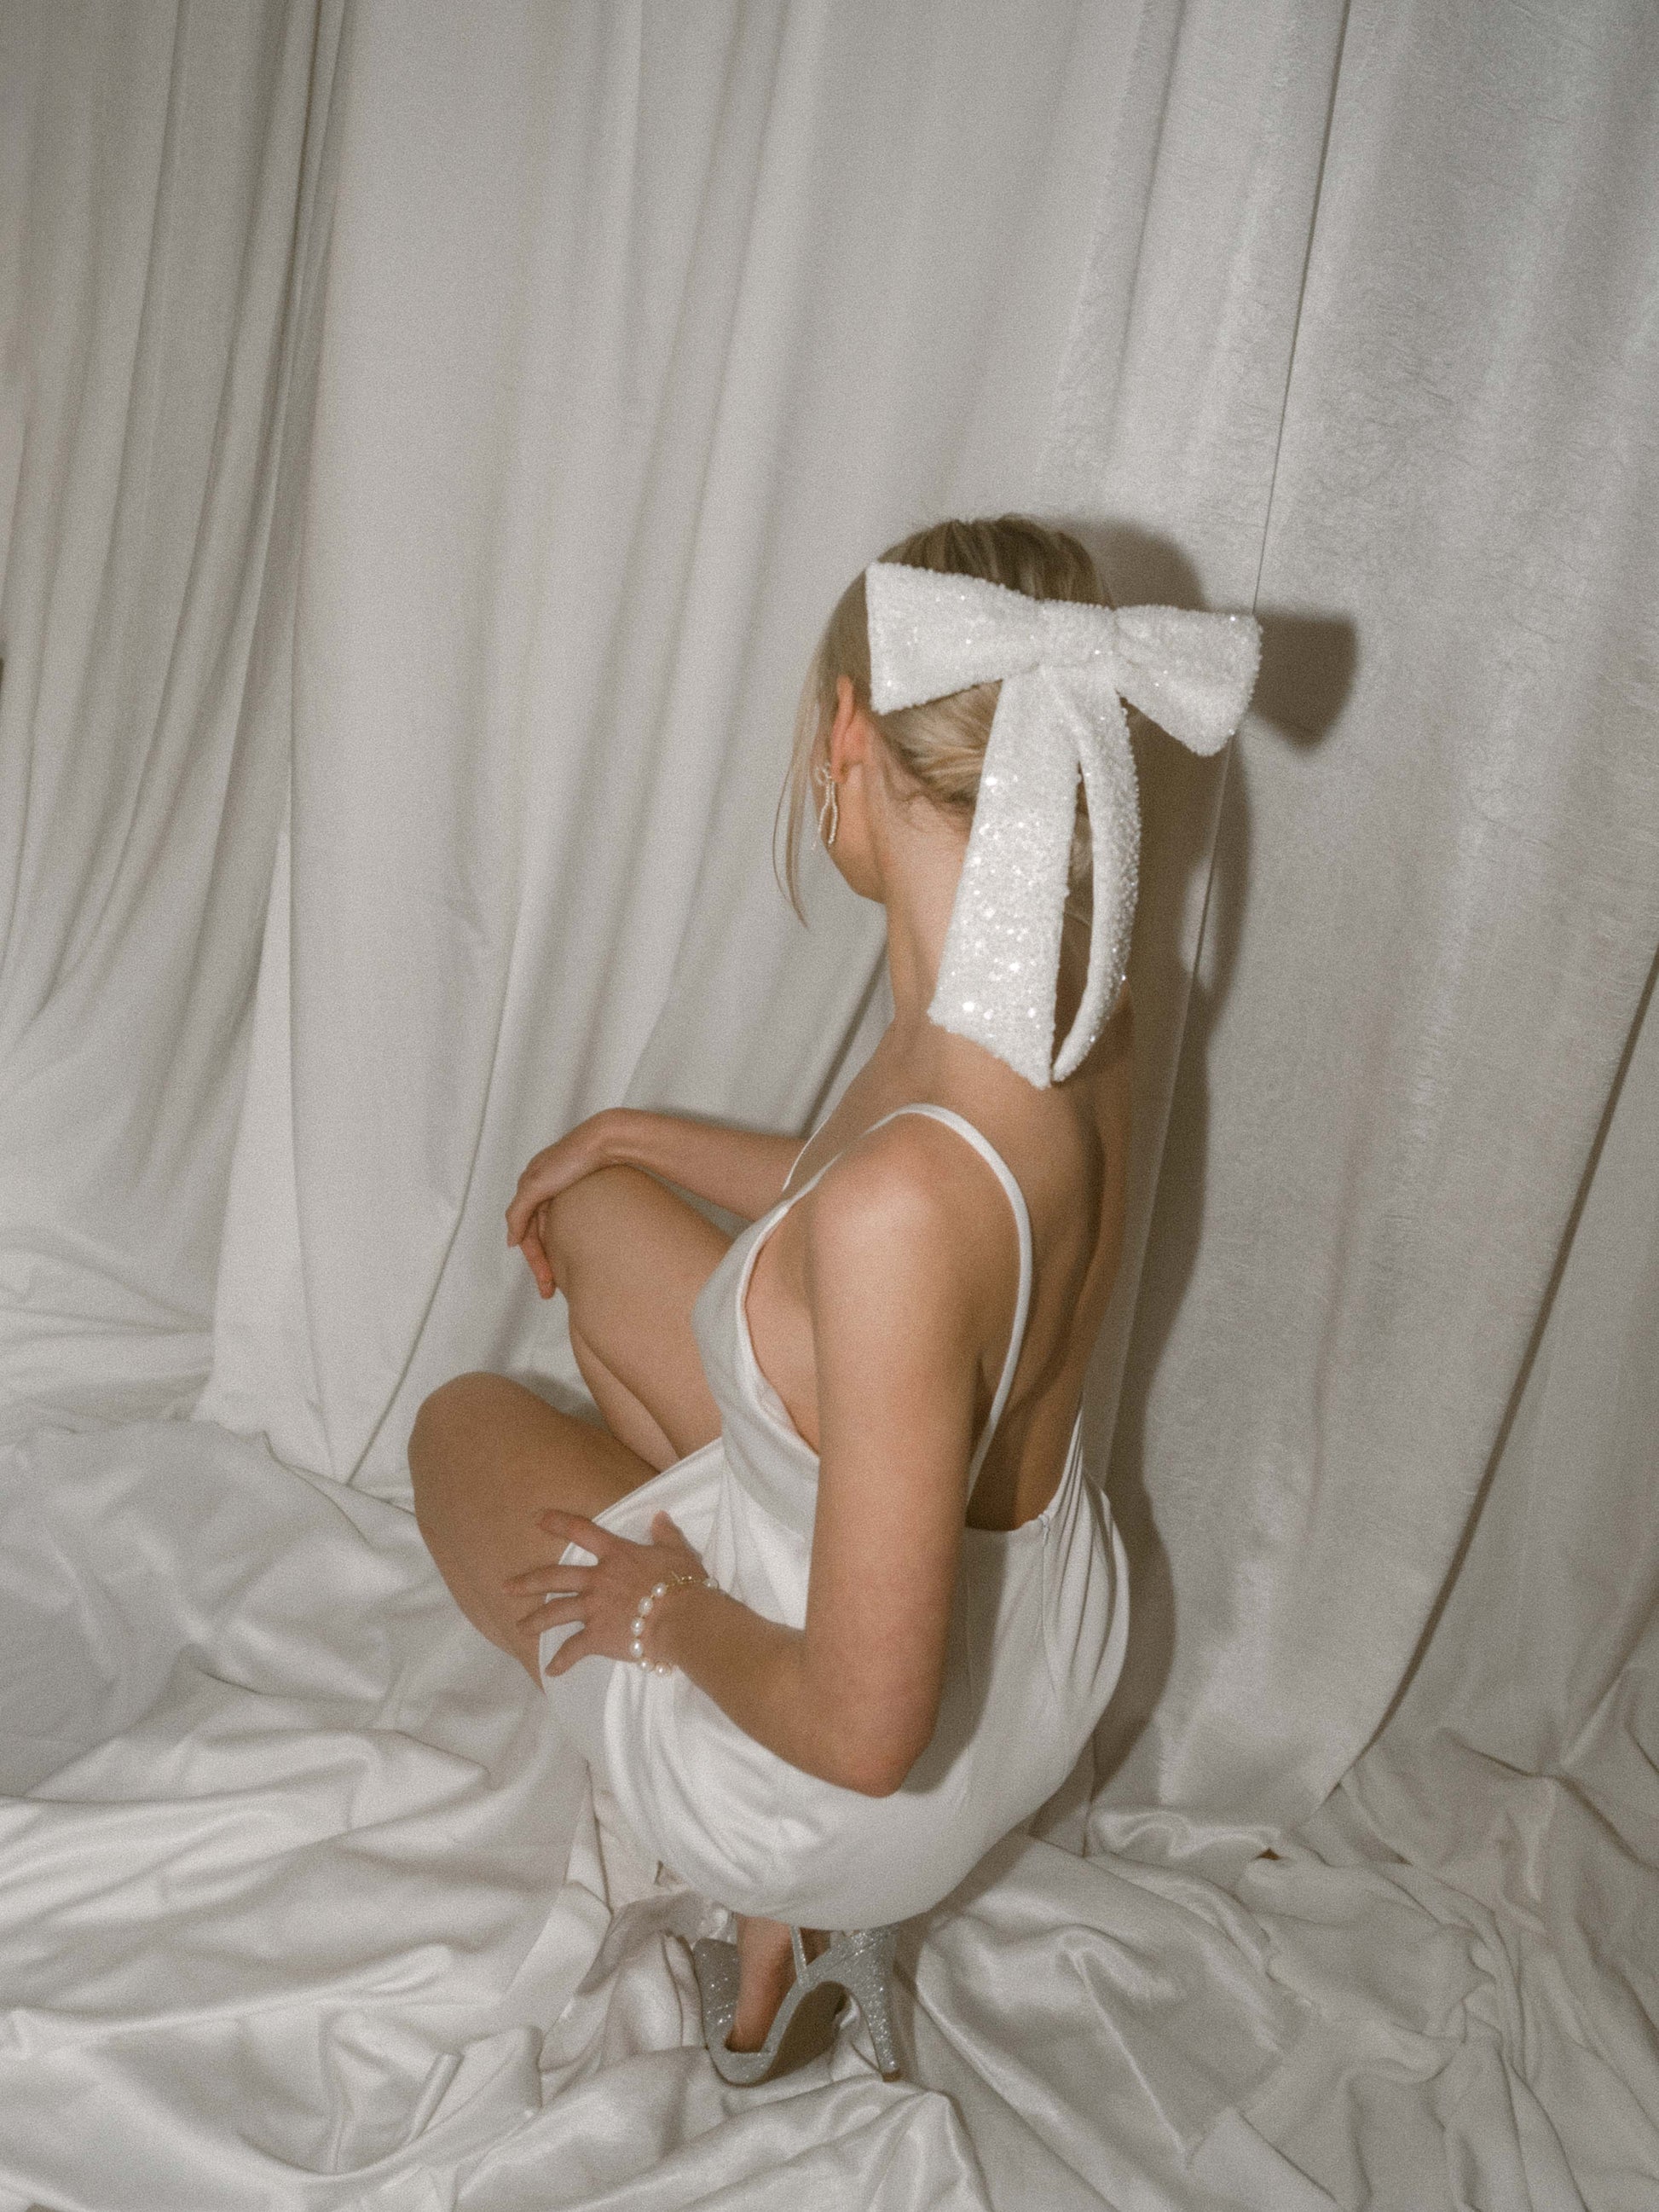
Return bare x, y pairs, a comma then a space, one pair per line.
1065, 670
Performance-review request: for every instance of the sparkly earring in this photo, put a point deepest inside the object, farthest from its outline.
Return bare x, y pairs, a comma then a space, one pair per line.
829, 805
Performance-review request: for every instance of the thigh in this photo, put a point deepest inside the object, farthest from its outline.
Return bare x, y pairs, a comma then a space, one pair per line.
486, 1457
630, 1258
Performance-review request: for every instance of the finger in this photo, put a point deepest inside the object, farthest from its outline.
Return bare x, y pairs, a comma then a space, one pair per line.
537, 1261
574, 1648
666, 1530
577, 1529
552, 1612
535, 1186
547, 1582
525, 1200
535, 1243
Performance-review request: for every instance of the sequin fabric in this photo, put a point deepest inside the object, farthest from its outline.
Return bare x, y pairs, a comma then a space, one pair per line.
1065, 670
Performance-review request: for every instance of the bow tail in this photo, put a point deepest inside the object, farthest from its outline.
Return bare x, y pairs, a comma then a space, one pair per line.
1002, 958
1110, 784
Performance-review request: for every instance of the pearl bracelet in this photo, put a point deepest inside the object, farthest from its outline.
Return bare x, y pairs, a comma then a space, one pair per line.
636, 1629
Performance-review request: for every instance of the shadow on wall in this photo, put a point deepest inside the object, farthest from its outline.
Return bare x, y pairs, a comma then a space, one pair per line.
1308, 661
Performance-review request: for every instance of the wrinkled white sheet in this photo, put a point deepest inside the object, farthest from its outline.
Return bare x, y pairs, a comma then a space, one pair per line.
302, 1903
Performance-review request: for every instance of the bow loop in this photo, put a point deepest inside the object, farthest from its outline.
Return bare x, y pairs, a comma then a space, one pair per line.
1065, 667
932, 634
1190, 673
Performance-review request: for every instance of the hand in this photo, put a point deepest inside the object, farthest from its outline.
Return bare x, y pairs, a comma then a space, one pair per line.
590, 1144
604, 1598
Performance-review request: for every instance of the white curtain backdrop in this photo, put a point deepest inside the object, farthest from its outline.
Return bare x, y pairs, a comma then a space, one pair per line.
1431, 922
155, 173
430, 437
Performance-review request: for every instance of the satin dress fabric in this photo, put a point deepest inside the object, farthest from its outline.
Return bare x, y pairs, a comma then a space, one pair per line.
1038, 1627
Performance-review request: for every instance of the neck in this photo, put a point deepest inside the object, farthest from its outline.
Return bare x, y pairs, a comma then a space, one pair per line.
923, 867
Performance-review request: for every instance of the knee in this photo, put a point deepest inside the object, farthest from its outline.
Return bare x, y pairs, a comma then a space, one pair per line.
446, 1423
579, 1227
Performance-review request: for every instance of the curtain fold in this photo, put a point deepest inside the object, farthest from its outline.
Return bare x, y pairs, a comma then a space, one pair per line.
1432, 917
158, 157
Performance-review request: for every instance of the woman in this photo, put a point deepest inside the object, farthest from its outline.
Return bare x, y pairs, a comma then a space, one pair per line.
835, 1517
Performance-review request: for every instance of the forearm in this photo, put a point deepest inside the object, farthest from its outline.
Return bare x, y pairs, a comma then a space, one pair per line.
742, 1171
761, 1675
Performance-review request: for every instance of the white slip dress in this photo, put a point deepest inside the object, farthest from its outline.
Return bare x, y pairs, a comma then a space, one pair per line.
1038, 1625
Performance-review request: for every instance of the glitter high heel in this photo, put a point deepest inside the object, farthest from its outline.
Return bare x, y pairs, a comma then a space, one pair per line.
858, 1965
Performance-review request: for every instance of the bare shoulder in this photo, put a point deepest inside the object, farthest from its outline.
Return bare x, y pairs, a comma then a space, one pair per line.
908, 1201
900, 1177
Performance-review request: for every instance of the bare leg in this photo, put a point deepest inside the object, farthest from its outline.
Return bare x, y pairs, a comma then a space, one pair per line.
628, 1419
486, 1457
630, 1258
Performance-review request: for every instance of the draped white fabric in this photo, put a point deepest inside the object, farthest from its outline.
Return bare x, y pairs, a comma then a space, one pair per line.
1431, 923
430, 437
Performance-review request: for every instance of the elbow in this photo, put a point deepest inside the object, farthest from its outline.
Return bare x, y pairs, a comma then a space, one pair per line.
879, 1779
868, 1736
875, 1769
870, 1776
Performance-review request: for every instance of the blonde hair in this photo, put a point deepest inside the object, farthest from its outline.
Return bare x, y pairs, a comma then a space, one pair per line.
938, 747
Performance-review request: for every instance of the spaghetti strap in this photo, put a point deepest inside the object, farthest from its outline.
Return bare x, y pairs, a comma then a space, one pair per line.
1005, 1175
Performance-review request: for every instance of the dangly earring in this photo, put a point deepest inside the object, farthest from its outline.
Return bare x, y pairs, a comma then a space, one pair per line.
829, 805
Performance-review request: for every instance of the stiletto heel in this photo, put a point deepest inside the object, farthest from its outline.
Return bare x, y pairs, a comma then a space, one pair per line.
866, 1972
856, 1965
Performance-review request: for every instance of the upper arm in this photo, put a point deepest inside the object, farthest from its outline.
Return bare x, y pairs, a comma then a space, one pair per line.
903, 1265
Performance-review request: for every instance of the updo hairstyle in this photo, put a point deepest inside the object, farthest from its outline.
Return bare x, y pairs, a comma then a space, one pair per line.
937, 747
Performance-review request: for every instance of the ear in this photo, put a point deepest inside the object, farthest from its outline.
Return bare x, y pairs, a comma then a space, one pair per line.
851, 733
